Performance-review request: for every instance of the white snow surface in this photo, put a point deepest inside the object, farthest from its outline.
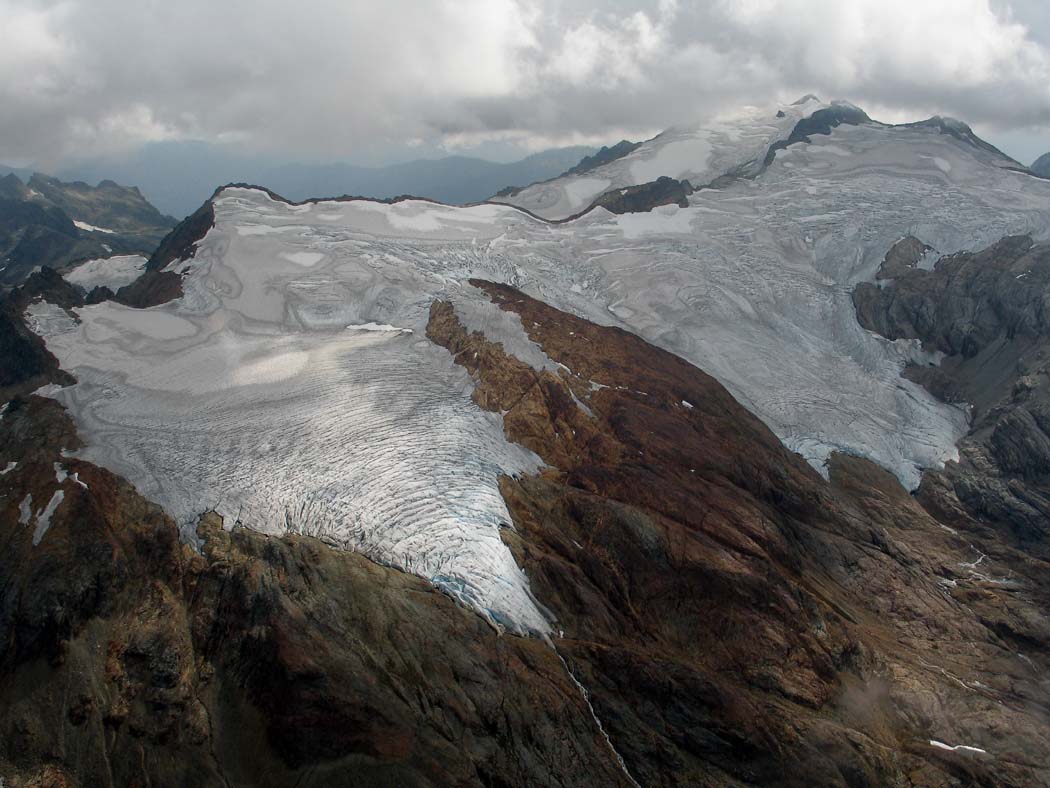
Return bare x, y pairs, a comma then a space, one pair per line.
955, 747
112, 272
250, 396
697, 154
92, 228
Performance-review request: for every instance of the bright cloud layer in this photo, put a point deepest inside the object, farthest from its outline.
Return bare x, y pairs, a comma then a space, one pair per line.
345, 78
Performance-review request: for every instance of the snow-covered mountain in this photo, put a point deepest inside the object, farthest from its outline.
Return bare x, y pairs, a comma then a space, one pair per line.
395, 399
734, 145
292, 388
48, 222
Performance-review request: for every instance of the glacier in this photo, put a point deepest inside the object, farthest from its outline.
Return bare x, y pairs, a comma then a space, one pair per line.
291, 388
112, 272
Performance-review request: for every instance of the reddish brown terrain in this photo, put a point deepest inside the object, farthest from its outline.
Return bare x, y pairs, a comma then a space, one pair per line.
723, 615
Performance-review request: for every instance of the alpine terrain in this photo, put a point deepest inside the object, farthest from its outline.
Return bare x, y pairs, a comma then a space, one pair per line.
46, 222
722, 459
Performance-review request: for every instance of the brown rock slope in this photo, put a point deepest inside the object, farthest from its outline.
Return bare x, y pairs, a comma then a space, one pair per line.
735, 619
128, 659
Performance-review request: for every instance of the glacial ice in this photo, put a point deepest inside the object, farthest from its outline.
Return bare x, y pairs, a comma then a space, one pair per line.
252, 397
112, 272
697, 154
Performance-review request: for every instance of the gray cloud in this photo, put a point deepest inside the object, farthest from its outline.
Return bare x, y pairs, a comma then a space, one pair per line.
349, 79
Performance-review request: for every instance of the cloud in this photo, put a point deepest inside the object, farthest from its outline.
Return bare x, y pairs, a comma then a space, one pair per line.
350, 79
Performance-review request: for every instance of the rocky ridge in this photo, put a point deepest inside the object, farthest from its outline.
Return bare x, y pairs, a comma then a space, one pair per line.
47, 222
988, 312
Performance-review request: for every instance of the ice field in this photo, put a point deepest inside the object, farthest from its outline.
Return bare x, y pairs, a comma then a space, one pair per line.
292, 388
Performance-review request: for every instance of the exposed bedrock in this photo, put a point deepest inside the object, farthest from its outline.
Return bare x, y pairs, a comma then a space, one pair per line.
989, 312
646, 196
735, 619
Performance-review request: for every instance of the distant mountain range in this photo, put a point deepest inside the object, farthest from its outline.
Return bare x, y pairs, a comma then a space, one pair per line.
48, 222
177, 177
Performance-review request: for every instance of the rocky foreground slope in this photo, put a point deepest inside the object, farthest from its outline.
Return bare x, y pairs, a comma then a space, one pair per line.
720, 614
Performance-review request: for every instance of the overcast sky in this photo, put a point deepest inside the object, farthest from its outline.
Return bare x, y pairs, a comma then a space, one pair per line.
381, 80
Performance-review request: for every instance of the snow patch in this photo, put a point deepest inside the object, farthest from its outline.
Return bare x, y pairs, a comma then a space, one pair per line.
112, 272
956, 747
25, 509
92, 228
43, 519
381, 327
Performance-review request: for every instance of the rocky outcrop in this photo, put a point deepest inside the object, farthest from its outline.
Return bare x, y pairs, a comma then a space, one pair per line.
989, 312
820, 122
606, 154
25, 362
152, 288
646, 196
1041, 166
182, 241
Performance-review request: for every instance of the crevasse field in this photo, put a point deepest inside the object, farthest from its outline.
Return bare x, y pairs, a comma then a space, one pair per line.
292, 387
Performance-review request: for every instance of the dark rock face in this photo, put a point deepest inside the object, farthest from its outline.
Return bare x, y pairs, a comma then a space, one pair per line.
990, 313
182, 241
820, 122
646, 196
965, 303
25, 362
152, 288
605, 155
37, 224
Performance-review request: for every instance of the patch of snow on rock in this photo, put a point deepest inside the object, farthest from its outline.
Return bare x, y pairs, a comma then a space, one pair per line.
43, 518
112, 272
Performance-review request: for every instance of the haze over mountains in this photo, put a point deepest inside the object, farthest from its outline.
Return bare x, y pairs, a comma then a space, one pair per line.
177, 177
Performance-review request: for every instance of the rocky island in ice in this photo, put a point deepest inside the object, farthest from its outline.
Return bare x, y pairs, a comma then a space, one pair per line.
292, 387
